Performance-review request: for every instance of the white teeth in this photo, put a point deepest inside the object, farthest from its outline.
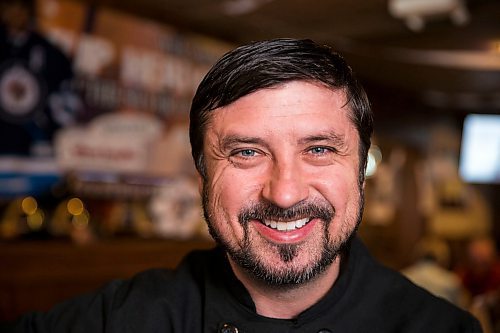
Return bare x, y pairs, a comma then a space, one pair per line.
286, 226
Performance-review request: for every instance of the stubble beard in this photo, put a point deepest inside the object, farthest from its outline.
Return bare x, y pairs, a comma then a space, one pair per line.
247, 255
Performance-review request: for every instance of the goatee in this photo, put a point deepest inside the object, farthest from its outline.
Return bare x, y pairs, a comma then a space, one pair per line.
290, 276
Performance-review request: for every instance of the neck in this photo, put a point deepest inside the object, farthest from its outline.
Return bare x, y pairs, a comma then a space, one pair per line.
287, 303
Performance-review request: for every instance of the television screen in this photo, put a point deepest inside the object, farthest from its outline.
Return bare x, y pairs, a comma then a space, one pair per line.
480, 149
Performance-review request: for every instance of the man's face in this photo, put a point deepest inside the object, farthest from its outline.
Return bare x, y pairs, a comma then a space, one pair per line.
281, 192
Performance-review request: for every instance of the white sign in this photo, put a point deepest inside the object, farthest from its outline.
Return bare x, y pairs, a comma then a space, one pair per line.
112, 143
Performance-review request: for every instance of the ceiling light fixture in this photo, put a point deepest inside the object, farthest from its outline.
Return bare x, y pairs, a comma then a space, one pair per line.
241, 7
416, 12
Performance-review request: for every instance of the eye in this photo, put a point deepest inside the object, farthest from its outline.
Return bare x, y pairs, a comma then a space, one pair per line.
246, 158
246, 153
319, 150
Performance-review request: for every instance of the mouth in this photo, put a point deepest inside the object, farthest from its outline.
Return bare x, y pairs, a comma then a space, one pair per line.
287, 225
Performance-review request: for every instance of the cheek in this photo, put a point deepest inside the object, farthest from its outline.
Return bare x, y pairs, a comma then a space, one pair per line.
339, 188
228, 193
345, 197
236, 187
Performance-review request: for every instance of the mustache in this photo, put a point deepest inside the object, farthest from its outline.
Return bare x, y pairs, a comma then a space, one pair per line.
264, 210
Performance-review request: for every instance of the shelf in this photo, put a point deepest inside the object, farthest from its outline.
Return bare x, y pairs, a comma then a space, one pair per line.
35, 275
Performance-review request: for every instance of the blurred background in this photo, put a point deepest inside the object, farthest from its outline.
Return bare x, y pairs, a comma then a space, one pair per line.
96, 178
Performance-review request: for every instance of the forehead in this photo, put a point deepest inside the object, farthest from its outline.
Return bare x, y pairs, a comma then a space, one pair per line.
287, 106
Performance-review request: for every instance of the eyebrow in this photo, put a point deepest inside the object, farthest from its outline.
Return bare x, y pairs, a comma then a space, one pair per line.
334, 138
231, 140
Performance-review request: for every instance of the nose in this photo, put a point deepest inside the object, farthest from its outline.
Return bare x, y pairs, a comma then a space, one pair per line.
286, 185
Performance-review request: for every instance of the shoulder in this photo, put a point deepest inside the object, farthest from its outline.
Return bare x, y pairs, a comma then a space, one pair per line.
174, 287
170, 285
153, 300
403, 304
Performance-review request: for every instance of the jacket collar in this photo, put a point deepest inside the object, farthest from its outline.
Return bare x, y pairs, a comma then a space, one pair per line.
228, 302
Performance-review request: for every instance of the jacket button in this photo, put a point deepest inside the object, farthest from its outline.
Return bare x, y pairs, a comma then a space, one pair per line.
324, 330
228, 328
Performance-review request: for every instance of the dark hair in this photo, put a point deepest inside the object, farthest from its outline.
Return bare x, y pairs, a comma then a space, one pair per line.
266, 64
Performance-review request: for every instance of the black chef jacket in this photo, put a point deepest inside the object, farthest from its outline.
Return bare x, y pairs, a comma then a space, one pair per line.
203, 295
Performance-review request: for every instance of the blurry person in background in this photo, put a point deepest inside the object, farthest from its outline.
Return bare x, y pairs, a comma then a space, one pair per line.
431, 270
480, 272
280, 132
32, 70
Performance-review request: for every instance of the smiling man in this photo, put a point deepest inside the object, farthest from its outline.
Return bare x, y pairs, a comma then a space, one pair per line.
280, 132
281, 190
